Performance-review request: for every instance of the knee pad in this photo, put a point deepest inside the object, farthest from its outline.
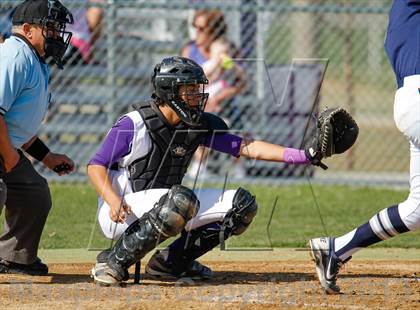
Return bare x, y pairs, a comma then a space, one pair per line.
174, 210
244, 209
197, 242
168, 218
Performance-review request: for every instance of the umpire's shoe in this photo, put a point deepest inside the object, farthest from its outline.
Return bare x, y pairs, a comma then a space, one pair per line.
157, 267
326, 262
37, 268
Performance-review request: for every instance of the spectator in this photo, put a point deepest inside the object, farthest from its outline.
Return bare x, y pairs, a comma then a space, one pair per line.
86, 31
214, 53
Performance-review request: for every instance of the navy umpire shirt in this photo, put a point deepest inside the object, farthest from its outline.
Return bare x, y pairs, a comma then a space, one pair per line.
402, 43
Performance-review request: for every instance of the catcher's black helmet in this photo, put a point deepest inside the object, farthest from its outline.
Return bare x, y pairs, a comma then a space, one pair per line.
169, 75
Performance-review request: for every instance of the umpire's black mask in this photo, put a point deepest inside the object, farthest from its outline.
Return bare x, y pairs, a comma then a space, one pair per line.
53, 16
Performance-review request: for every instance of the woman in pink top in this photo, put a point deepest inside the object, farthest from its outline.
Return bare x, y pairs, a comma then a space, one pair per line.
211, 50
214, 53
86, 30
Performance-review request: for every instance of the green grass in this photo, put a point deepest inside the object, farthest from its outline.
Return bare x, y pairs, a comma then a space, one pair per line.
295, 218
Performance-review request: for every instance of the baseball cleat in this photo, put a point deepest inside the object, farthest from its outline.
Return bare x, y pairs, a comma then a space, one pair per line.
37, 268
326, 262
104, 275
157, 267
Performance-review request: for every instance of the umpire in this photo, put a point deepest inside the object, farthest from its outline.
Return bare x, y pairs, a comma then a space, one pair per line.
38, 33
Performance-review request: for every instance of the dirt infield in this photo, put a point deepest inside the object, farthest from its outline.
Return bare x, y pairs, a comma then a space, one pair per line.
236, 285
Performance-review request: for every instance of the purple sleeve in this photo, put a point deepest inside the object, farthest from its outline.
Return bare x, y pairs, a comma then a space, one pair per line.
295, 156
116, 145
225, 143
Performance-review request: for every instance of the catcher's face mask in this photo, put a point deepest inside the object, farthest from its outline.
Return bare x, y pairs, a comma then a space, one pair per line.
191, 99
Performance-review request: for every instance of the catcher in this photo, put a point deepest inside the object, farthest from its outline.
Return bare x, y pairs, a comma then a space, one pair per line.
139, 168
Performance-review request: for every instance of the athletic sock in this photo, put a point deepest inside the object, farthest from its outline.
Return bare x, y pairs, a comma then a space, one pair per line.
383, 225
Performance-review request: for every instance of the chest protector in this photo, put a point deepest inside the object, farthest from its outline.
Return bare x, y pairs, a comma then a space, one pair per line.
172, 148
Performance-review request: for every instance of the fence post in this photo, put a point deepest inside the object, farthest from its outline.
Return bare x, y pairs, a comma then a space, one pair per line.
262, 70
111, 16
348, 76
248, 35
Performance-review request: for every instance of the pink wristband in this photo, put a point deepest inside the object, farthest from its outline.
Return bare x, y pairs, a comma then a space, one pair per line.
295, 156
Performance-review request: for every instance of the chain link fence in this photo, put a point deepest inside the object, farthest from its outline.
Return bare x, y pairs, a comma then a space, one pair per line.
290, 59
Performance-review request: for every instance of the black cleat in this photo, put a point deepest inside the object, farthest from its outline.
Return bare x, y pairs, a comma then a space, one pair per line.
157, 267
37, 268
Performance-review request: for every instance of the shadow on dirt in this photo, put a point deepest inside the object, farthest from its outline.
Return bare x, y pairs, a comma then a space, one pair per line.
219, 278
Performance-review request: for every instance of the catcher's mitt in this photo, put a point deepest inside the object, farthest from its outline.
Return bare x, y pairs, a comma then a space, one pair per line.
336, 133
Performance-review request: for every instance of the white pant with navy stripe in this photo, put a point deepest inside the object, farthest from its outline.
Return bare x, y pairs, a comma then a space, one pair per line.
405, 216
407, 119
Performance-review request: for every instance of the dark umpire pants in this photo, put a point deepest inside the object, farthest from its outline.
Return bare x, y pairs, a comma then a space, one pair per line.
28, 203
3, 194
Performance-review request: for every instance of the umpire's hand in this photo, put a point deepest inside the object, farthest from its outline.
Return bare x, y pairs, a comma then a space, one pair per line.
59, 163
9, 162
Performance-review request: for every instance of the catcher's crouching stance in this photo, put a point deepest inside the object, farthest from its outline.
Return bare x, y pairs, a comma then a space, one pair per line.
141, 200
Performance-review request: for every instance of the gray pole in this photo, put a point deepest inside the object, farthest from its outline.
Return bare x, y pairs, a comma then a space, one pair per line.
261, 76
302, 28
111, 16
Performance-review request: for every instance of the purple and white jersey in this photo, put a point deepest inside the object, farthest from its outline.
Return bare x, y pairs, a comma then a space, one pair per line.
129, 140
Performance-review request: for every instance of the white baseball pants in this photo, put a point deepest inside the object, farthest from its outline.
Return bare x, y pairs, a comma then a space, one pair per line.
407, 119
